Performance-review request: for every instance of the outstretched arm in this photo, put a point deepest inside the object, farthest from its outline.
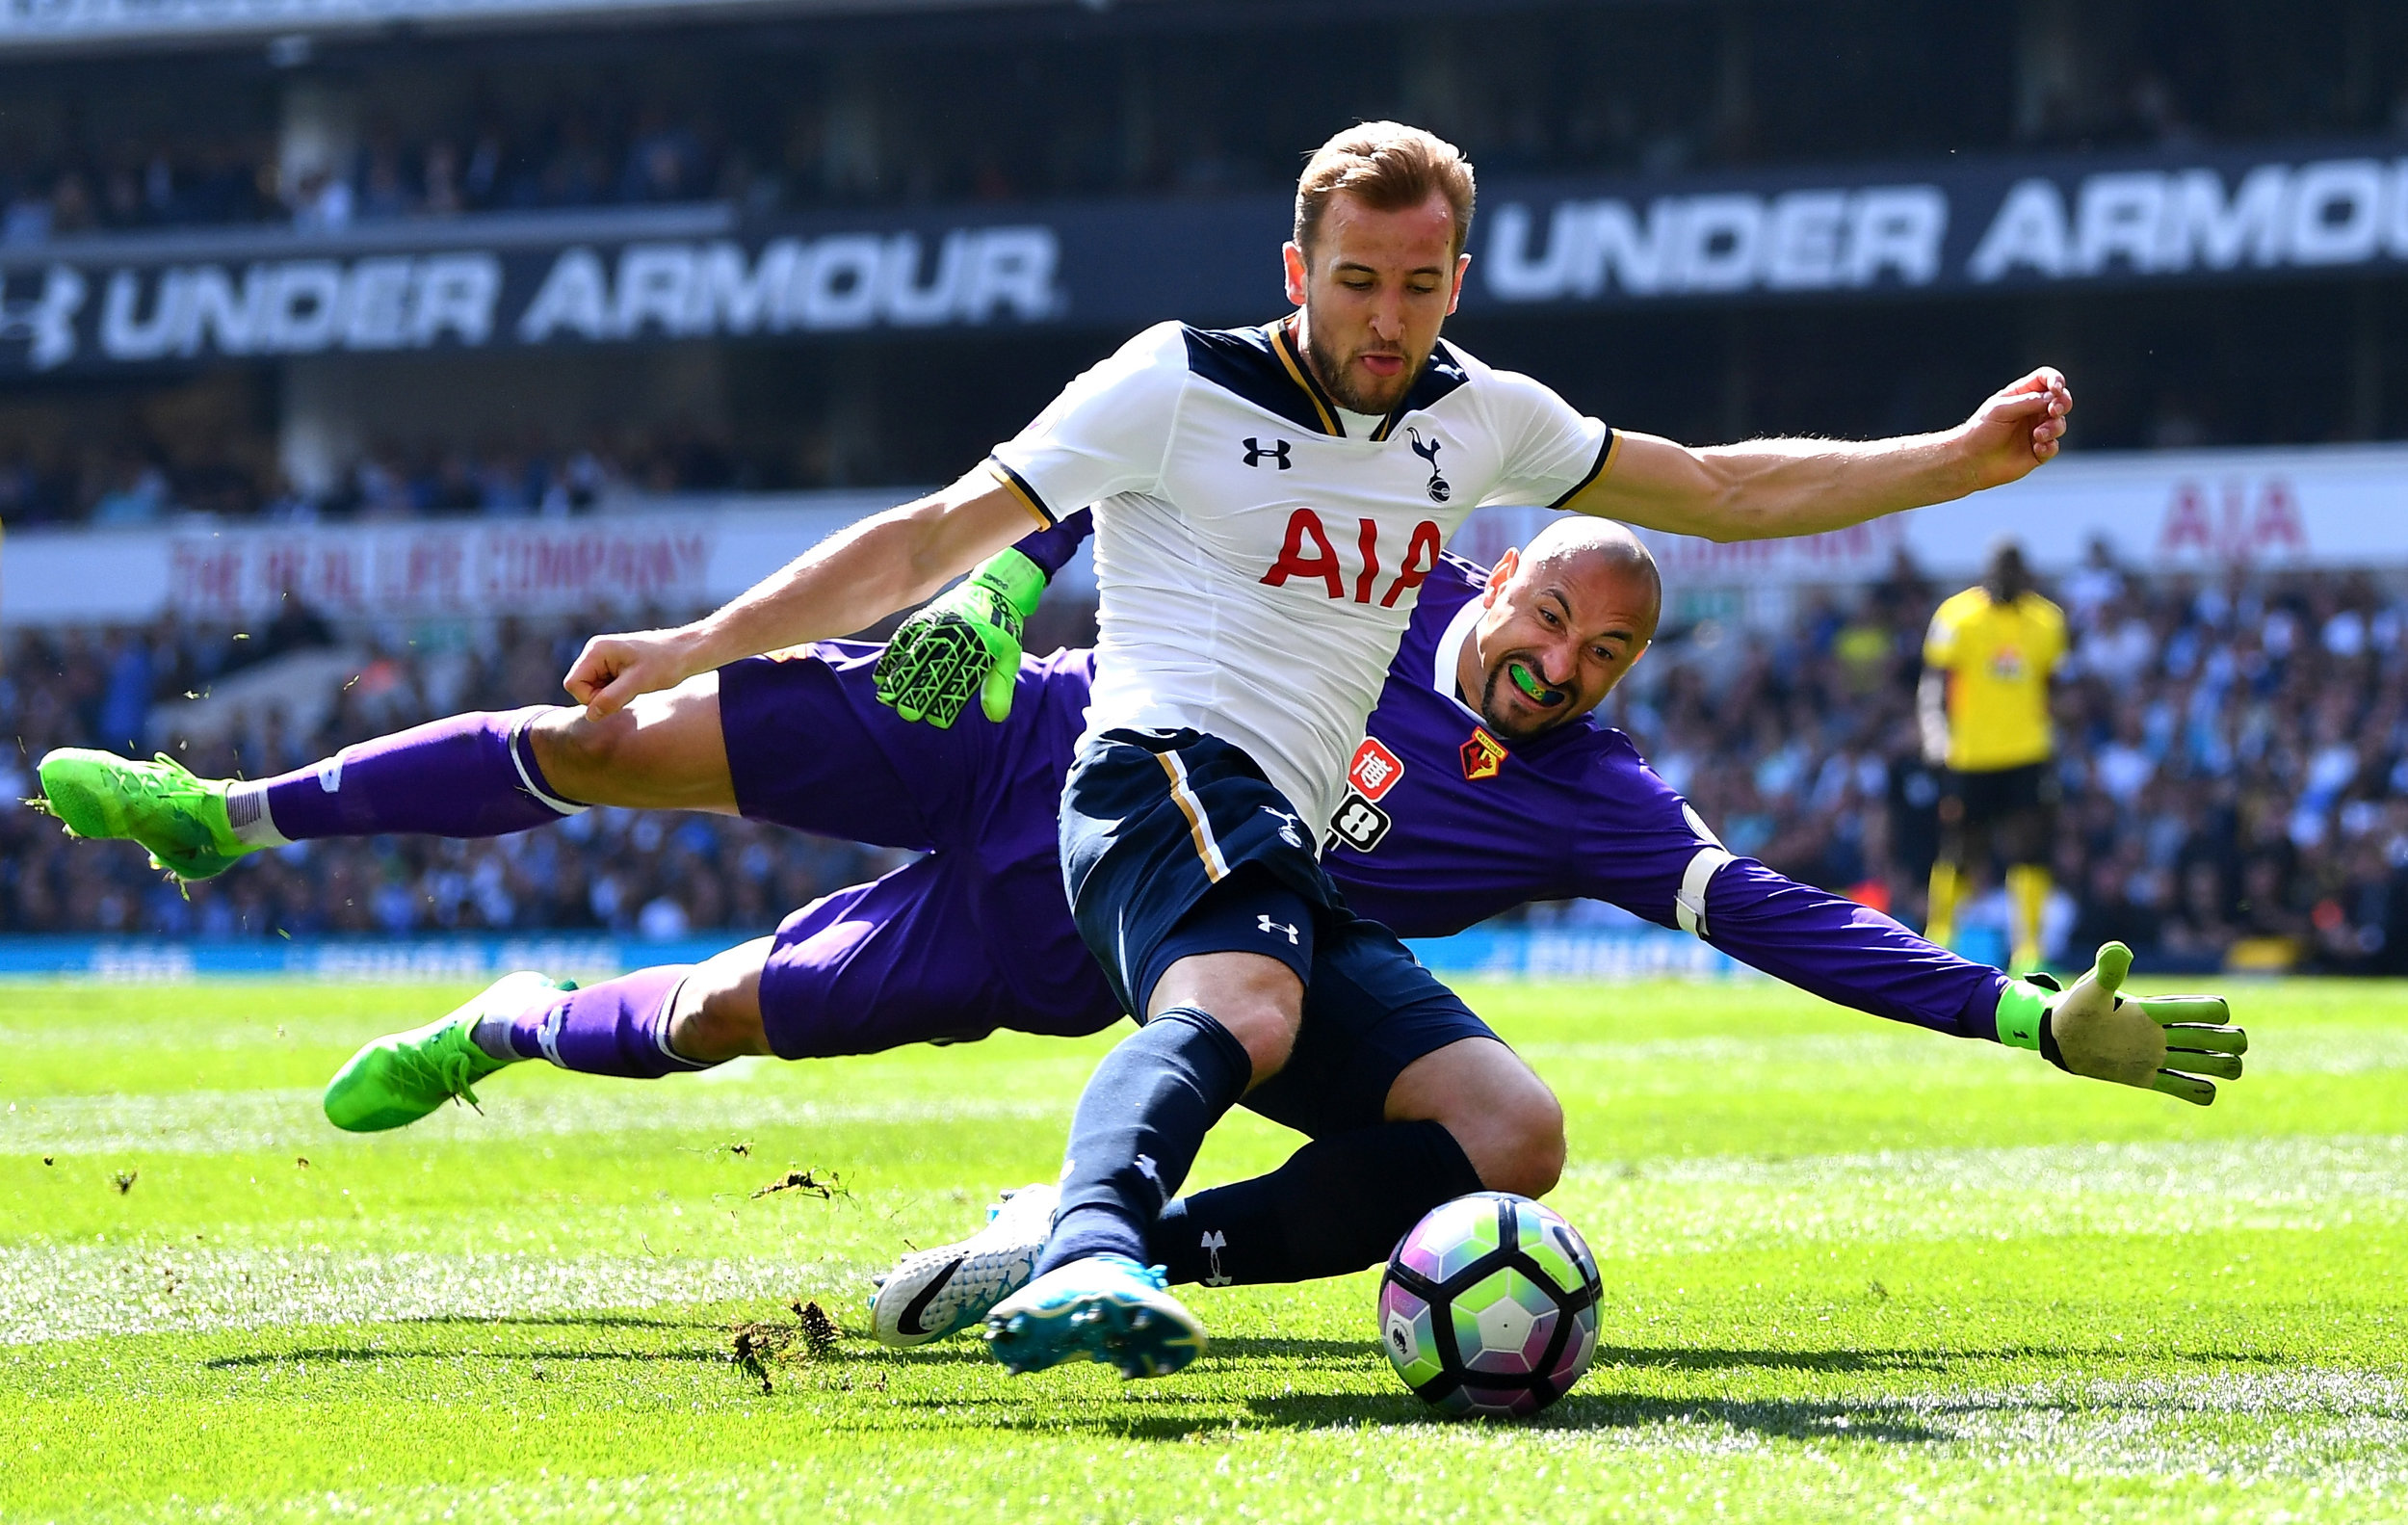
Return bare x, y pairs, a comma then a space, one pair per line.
1855, 956
1646, 851
1766, 489
852, 579
1835, 948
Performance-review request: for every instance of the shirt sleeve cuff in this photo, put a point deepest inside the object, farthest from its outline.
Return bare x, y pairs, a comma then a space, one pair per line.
1018, 486
1606, 452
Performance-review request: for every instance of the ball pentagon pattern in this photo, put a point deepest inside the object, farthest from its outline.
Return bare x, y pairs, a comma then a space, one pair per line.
1489, 1306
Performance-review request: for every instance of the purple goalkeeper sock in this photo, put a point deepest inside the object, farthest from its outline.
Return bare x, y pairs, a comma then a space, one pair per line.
619, 1027
469, 775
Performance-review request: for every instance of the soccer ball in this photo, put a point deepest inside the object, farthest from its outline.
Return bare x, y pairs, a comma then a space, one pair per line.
1489, 1306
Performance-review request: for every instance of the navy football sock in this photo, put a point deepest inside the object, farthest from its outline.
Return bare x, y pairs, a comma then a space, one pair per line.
1139, 1122
1339, 1204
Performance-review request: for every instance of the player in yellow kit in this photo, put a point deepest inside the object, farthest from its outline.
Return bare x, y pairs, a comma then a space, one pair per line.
1984, 707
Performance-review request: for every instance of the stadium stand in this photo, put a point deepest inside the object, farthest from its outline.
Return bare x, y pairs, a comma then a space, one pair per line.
144, 481
115, 152
165, 194
809, 115
2235, 757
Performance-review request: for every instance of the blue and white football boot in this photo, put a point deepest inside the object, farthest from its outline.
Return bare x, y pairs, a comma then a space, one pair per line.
1103, 1308
934, 1293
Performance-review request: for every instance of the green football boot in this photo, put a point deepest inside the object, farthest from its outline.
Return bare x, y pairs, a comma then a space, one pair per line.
179, 816
401, 1077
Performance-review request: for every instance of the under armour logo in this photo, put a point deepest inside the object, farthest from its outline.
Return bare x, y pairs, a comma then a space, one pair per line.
1256, 450
1439, 491
1214, 1244
47, 322
1287, 826
1270, 926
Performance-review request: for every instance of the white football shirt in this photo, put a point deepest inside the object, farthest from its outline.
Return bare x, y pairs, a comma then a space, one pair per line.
1258, 552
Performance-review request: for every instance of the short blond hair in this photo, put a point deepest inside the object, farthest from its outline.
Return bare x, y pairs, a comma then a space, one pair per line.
1389, 167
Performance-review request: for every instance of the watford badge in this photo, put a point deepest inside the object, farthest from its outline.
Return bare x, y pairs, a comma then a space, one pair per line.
1483, 755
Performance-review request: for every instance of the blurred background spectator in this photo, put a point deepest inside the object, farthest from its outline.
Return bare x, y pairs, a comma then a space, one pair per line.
142, 481
646, 875
782, 116
2234, 754
2234, 751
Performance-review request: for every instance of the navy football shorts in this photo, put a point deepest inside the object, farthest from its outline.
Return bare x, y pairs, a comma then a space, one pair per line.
975, 935
1154, 820
1170, 839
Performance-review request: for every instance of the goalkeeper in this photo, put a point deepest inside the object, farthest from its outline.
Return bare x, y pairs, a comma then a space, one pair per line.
1438, 832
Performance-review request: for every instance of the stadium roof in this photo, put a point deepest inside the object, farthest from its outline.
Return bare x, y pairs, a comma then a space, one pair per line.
83, 25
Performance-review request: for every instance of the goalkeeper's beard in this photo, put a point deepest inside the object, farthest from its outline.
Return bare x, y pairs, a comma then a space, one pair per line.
1500, 681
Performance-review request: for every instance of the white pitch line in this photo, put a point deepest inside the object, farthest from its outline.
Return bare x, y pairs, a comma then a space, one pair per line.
2327, 1052
80, 1291
236, 1122
1925, 1195
2260, 1168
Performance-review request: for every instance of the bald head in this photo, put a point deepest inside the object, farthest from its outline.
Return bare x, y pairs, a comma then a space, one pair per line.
1565, 618
1599, 551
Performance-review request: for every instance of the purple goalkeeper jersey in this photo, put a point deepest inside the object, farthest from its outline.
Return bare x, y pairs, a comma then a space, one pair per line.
1444, 825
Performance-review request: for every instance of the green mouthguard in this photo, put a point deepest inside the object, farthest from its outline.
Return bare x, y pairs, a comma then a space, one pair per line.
1522, 680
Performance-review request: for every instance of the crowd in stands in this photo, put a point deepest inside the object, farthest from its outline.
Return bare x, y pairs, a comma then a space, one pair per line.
569, 161
656, 876
135, 486
776, 126
2234, 751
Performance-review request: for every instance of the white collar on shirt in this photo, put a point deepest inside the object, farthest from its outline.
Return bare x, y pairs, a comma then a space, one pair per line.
1451, 652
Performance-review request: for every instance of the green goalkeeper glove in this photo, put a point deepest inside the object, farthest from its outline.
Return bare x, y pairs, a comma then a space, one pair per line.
964, 641
2149, 1041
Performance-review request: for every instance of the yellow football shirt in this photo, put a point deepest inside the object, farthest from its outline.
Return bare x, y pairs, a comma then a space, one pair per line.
1997, 658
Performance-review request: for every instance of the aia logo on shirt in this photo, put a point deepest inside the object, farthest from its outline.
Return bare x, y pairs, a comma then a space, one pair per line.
1308, 552
1483, 755
1375, 770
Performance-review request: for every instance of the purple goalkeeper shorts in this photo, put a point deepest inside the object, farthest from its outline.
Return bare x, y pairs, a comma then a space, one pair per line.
974, 937
978, 936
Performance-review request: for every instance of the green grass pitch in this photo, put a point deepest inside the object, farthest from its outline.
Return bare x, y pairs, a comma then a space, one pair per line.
1853, 1271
